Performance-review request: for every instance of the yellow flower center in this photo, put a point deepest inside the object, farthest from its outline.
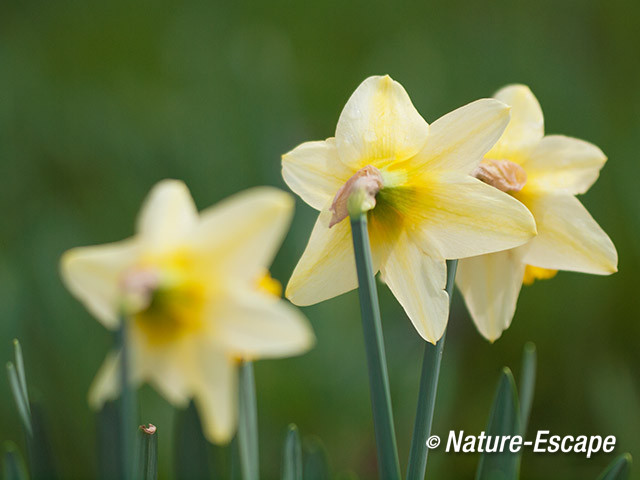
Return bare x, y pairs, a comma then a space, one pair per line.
531, 274
504, 175
268, 284
167, 298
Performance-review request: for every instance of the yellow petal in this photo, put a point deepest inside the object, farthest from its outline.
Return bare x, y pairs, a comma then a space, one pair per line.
463, 217
526, 127
564, 163
168, 216
94, 274
314, 171
459, 140
240, 236
216, 396
490, 285
379, 123
327, 267
568, 237
418, 282
252, 324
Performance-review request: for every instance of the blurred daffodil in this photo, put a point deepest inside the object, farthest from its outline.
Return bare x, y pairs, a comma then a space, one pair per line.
424, 207
197, 297
544, 173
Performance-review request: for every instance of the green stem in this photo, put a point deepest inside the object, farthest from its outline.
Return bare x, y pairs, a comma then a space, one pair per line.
127, 404
248, 424
388, 463
427, 395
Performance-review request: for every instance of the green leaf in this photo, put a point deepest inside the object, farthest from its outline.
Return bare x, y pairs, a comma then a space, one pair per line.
22, 377
41, 460
619, 469
292, 457
503, 420
13, 466
527, 385
24, 411
247, 438
316, 464
108, 441
427, 396
192, 457
388, 464
147, 453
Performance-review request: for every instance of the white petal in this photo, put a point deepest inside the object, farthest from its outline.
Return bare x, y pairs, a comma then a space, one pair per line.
463, 217
93, 275
379, 123
168, 215
490, 285
106, 385
559, 162
216, 396
170, 369
255, 325
526, 127
327, 267
240, 235
459, 140
314, 171
418, 282
568, 237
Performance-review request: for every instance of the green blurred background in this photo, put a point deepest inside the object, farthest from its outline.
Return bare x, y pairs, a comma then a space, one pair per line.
99, 100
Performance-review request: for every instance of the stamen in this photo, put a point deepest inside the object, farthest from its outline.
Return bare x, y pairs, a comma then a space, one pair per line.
504, 175
366, 182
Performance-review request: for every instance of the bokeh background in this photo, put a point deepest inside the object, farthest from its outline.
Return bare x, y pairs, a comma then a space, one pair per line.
99, 100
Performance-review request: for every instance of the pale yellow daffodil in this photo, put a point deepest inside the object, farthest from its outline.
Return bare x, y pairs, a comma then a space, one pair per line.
544, 173
194, 293
425, 207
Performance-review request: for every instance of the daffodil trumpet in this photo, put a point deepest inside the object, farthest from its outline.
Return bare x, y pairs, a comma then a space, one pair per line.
388, 463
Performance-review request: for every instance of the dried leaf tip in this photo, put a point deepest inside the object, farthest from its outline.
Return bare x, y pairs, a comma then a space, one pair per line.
150, 430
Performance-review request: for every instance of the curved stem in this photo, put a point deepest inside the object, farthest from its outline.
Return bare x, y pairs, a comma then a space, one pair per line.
388, 463
427, 395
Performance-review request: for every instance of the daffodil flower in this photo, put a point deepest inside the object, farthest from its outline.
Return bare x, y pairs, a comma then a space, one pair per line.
544, 173
424, 207
194, 291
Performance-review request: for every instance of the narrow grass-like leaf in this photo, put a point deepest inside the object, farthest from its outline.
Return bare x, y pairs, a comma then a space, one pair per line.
292, 456
504, 420
619, 469
388, 464
24, 410
527, 385
13, 466
22, 377
248, 424
192, 454
147, 453
316, 463
427, 395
